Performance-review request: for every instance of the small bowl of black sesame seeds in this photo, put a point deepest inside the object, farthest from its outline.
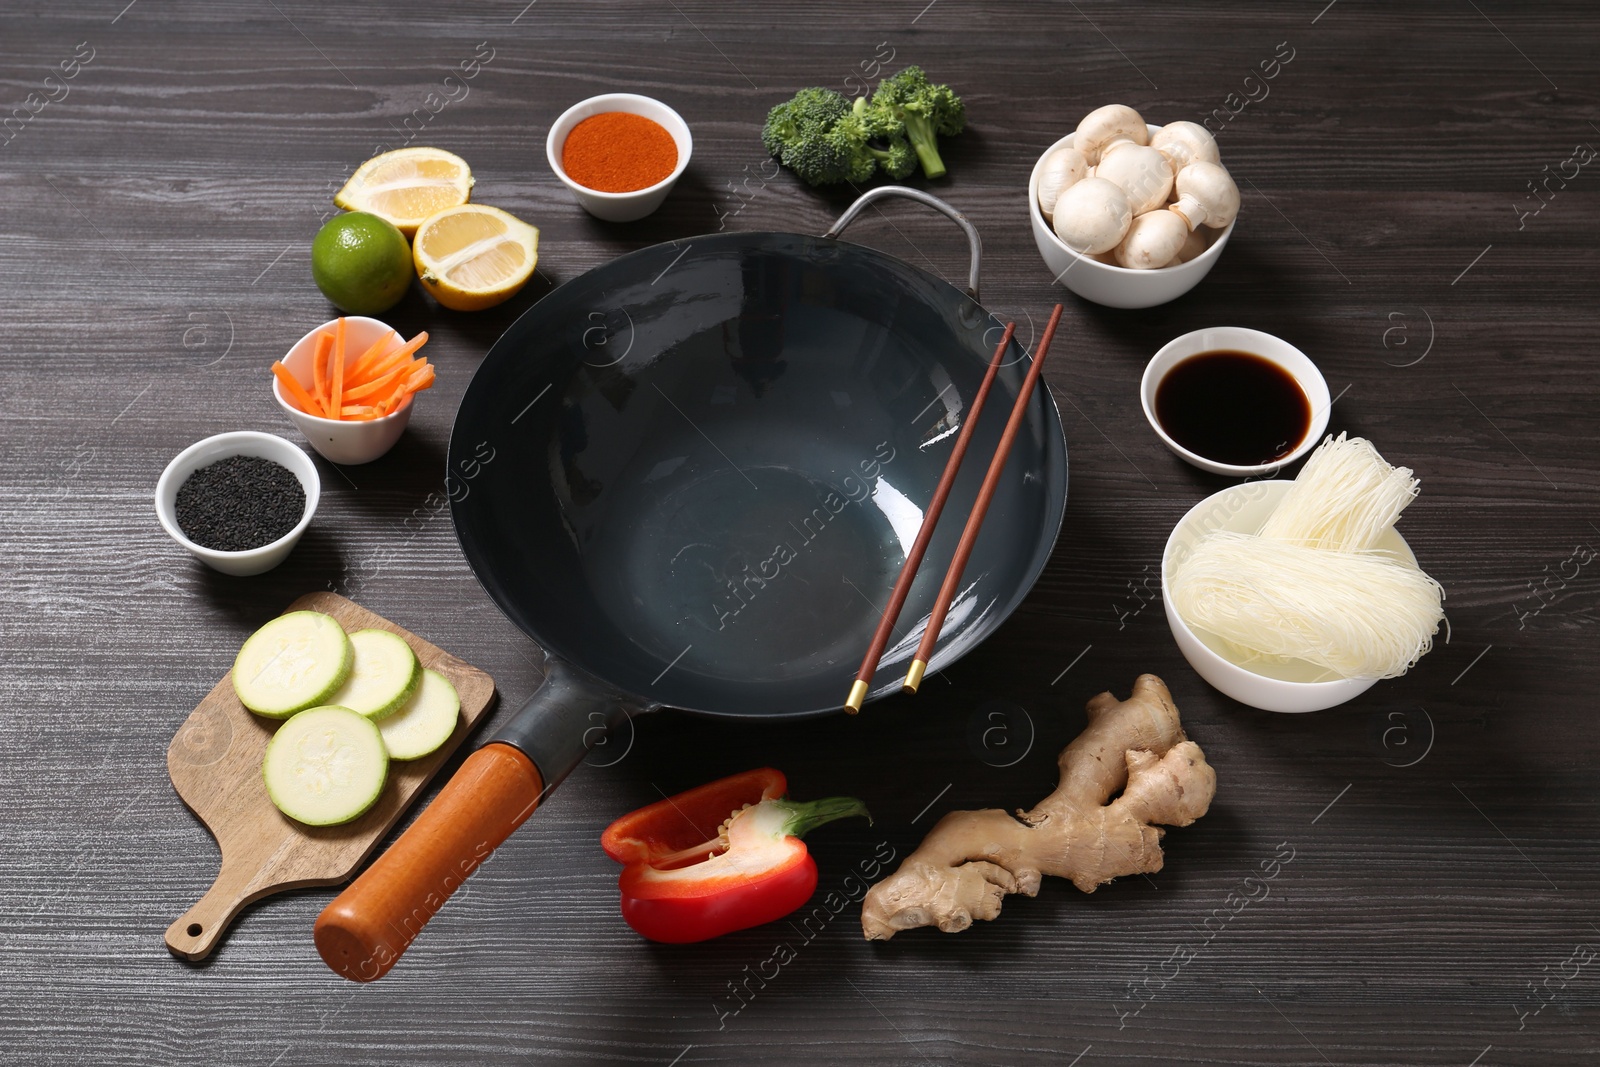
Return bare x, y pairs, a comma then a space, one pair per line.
238, 501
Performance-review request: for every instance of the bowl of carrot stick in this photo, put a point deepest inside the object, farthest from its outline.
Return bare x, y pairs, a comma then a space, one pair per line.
349, 385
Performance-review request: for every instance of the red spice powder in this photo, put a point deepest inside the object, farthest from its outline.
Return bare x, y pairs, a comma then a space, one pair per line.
618, 152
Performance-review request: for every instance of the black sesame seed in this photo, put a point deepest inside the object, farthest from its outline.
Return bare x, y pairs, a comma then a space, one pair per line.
239, 503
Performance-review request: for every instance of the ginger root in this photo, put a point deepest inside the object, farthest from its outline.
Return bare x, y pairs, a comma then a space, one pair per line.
971, 860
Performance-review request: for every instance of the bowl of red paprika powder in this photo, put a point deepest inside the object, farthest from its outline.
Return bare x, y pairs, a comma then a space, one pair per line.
619, 153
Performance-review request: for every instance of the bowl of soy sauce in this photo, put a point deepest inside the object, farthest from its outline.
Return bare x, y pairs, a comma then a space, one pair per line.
1235, 401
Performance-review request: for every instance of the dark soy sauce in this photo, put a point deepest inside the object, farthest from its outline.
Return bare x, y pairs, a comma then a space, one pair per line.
1233, 407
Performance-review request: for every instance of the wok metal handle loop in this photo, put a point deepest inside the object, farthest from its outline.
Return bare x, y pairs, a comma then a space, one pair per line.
922, 198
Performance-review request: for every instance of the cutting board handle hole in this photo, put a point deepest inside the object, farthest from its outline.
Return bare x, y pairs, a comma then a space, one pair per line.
195, 930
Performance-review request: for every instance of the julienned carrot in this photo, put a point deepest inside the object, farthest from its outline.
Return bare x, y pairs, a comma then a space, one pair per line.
378, 386
415, 343
379, 382
296, 391
336, 385
388, 360
421, 378
380, 369
319, 363
396, 398
327, 374
376, 352
389, 402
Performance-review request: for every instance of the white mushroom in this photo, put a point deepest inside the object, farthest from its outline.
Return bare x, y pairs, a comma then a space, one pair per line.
1206, 195
1143, 173
1193, 245
1092, 216
1062, 168
1105, 126
1153, 240
1185, 142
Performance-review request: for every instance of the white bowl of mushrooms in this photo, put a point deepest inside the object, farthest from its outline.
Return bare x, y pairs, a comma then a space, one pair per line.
1131, 215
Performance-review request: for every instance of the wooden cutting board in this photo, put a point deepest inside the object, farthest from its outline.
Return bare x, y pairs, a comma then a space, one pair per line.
214, 761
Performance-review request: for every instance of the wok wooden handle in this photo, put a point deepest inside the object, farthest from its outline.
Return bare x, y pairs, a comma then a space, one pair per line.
363, 931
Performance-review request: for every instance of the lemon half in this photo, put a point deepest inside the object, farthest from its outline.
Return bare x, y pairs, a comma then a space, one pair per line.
474, 256
408, 185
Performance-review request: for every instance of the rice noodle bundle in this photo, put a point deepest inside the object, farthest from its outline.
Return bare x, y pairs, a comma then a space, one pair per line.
1346, 497
1311, 585
1358, 614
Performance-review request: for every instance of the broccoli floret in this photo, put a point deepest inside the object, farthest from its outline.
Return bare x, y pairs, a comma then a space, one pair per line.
925, 109
885, 138
898, 159
799, 132
849, 140
811, 112
825, 138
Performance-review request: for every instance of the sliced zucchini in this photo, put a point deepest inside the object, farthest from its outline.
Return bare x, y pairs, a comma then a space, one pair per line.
294, 662
325, 766
425, 722
385, 674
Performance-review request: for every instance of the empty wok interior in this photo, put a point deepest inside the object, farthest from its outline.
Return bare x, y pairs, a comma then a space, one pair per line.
695, 472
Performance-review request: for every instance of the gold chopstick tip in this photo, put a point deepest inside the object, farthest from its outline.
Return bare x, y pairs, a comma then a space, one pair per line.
914, 676
858, 694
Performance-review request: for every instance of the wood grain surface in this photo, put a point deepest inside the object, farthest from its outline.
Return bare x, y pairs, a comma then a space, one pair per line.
1441, 907
214, 762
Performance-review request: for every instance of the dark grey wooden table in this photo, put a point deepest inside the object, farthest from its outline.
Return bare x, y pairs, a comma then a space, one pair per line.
1441, 906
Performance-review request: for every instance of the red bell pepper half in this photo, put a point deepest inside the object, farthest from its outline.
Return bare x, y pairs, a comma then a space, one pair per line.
721, 857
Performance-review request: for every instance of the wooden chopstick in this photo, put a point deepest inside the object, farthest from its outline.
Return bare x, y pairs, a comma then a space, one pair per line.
930, 518
969, 536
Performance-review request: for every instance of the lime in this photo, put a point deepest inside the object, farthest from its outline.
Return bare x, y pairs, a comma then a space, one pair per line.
361, 263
